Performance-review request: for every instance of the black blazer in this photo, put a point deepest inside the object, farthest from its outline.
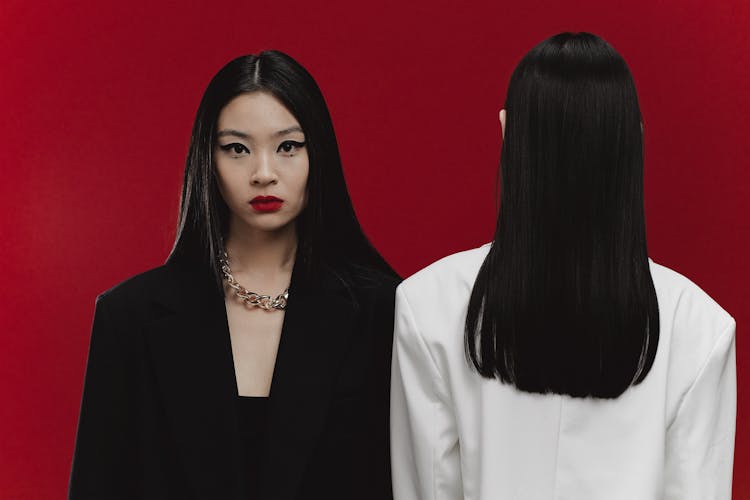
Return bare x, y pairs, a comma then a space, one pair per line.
159, 416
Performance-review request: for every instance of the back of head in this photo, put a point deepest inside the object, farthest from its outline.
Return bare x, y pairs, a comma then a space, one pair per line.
564, 301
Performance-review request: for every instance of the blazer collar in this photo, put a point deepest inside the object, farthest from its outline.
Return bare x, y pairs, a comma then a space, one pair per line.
192, 358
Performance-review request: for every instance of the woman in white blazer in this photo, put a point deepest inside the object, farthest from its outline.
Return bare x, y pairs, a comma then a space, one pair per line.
559, 361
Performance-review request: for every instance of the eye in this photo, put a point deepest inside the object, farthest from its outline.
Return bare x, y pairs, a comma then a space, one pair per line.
290, 147
235, 149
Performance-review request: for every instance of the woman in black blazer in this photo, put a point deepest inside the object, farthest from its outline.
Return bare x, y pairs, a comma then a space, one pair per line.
199, 388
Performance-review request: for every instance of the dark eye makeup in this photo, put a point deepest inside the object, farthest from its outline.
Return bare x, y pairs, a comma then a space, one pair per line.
235, 148
290, 146
287, 147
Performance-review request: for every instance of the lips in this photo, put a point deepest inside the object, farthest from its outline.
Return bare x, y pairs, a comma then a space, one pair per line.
266, 203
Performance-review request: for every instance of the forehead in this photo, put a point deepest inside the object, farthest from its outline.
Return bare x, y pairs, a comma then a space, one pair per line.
256, 113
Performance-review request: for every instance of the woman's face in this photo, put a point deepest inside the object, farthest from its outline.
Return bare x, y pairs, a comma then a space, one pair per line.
261, 163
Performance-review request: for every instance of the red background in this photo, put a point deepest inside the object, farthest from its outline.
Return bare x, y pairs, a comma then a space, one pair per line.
98, 101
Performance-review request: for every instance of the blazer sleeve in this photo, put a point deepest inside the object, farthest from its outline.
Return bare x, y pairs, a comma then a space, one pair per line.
700, 440
104, 464
425, 457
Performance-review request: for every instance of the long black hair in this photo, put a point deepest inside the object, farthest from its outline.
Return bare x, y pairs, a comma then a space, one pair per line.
564, 301
327, 228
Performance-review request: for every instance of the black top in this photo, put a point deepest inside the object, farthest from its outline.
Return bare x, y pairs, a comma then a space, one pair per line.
160, 343
252, 414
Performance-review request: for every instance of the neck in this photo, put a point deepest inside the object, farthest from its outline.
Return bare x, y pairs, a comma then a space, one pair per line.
261, 255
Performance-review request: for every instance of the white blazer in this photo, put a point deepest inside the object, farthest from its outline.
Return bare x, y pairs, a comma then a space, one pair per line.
456, 435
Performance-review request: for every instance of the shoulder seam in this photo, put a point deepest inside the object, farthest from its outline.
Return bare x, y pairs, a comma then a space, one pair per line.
726, 331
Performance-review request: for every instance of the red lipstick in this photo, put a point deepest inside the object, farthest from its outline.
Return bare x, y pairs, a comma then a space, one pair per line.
266, 203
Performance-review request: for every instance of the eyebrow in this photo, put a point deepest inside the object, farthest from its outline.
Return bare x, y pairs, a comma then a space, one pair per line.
232, 133
242, 135
288, 131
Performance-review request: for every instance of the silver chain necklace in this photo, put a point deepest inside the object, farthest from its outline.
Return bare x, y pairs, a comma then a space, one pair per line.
265, 302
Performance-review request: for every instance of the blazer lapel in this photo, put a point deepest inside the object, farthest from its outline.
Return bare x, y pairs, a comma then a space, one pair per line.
314, 338
192, 359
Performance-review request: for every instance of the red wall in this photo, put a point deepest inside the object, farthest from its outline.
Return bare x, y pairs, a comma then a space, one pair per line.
97, 104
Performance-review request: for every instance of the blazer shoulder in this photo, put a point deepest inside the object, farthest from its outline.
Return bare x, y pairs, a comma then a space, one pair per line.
436, 298
694, 329
360, 282
450, 274
135, 290
366, 277
681, 298
371, 288
692, 323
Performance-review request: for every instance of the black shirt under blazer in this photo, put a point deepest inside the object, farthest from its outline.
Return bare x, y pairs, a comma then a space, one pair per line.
159, 416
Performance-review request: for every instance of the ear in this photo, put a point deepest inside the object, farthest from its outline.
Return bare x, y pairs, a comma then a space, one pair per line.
502, 121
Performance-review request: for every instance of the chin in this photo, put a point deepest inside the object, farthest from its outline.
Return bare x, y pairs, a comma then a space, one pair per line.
264, 223
269, 226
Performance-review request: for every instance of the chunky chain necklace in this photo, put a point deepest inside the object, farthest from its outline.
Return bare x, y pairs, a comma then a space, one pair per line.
265, 302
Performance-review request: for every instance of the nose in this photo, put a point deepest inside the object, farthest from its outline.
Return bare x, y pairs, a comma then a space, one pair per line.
264, 171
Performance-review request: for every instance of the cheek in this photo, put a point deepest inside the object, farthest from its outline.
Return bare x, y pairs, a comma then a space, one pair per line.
226, 183
298, 183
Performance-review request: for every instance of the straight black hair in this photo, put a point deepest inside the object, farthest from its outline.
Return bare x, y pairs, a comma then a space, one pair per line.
564, 302
328, 231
